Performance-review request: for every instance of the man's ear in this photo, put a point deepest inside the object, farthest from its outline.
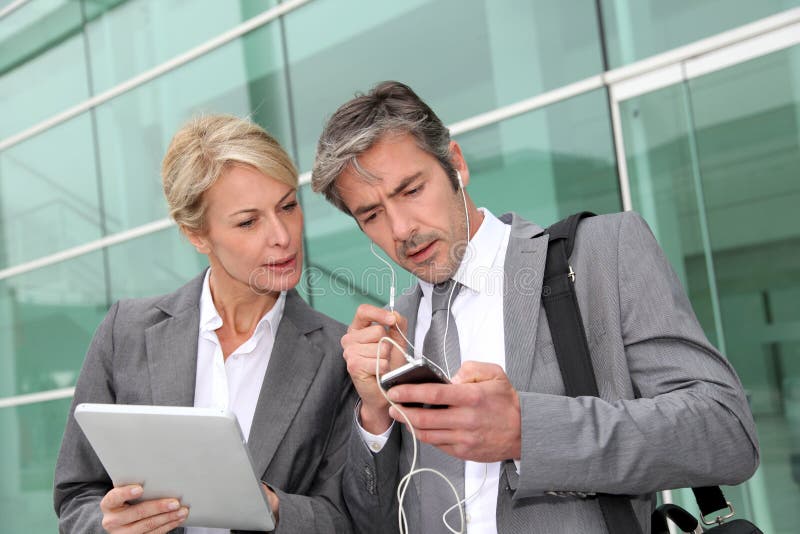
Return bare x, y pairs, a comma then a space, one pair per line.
459, 163
197, 239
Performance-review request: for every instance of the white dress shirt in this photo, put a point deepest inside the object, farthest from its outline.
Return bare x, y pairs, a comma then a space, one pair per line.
478, 313
234, 383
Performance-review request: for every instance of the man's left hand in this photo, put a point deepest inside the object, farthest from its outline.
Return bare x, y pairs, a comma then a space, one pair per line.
481, 422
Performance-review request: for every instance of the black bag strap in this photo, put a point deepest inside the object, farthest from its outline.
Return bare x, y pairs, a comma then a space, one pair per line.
709, 499
561, 304
572, 350
683, 519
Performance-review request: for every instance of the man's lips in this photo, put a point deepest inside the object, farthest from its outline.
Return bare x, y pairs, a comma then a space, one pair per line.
421, 254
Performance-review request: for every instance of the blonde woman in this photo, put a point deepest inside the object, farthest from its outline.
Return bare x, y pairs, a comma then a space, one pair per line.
238, 336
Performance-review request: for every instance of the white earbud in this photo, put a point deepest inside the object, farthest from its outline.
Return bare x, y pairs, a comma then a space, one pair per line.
460, 183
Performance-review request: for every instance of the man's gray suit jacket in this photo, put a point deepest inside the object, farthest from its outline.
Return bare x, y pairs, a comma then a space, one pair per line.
671, 411
145, 352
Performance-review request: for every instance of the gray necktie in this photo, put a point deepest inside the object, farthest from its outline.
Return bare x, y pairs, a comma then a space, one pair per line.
441, 318
435, 495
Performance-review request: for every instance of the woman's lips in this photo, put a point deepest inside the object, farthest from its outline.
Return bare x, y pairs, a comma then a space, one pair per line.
283, 264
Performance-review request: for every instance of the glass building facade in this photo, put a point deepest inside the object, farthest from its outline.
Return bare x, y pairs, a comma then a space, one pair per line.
686, 111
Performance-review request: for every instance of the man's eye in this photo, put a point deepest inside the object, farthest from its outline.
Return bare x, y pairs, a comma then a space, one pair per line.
371, 217
413, 191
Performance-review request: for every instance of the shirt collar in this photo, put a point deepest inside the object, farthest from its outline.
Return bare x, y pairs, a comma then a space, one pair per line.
483, 258
210, 319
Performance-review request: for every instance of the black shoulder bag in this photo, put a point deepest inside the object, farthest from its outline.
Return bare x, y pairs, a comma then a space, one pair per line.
572, 351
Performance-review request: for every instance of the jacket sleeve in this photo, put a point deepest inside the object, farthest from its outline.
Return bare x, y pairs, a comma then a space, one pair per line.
322, 508
370, 481
80, 479
686, 421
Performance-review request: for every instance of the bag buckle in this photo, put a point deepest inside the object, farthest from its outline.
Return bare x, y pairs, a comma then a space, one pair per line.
720, 518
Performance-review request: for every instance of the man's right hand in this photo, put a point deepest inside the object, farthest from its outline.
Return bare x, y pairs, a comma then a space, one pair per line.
360, 346
158, 516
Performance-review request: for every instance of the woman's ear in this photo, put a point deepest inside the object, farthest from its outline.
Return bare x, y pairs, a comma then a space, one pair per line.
197, 239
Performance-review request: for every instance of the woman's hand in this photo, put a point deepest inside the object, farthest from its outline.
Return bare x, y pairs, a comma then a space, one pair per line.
274, 502
158, 516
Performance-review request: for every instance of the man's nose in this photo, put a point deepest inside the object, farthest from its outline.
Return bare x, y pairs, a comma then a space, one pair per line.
402, 226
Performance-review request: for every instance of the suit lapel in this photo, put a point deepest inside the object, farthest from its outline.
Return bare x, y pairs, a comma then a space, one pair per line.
172, 347
292, 367
524, 268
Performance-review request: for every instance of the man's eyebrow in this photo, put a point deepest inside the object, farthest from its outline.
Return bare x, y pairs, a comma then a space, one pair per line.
404, 183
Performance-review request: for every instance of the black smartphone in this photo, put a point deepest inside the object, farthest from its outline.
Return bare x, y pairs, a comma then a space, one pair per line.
419, 371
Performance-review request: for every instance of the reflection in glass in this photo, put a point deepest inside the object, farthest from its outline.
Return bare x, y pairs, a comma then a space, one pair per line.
47, 318
478, 55
31, 439
154, 264
26, 89
140, 34
48, 193
741, 126
748, 139
546, 164
636, 29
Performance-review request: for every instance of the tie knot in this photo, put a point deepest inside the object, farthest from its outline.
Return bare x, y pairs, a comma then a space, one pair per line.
441, 294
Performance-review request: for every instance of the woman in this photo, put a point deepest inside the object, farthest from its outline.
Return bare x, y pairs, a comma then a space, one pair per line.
238, 337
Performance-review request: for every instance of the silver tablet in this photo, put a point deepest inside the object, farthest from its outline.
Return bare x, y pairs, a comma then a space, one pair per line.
196, 455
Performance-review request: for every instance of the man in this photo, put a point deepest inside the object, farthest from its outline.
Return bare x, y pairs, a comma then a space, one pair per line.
524, 457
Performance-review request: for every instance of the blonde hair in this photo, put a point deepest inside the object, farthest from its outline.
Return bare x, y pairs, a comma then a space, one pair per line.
203, 149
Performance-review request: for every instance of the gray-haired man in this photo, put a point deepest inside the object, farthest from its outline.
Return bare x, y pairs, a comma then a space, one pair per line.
526, 457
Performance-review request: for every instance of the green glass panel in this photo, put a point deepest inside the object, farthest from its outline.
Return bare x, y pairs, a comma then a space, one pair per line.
50, 314
713, 167
85, 47
747, 120
42, 47
33, 27
546, 164
48, 193
153, 264
27, 94
31, 440
462, 57
47, 318
141, 34
134, 129
636, 29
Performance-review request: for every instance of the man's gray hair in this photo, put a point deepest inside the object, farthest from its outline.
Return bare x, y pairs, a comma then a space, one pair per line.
390, 108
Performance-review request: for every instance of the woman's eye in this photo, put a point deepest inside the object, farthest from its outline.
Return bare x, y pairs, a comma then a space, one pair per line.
246, 224
290, 206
